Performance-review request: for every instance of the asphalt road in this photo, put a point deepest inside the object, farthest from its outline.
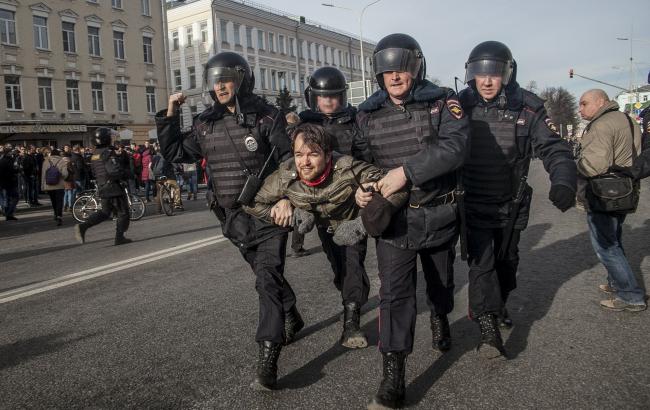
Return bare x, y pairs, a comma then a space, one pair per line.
169, 322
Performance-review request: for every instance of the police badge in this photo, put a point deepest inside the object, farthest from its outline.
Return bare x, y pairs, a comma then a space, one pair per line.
251, 143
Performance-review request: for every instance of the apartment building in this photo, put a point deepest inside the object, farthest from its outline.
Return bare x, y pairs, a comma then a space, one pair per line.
282, 49
69, 67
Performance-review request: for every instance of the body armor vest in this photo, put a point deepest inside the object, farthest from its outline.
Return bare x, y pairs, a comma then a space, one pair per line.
98, 168
488, 172
225, 158
342, 134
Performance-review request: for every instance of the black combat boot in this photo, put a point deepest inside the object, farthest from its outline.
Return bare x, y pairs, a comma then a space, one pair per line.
352, 337
491, 345
441, 336
80, 233
504, 319
267, 366
392, 388
292, 324
121, 240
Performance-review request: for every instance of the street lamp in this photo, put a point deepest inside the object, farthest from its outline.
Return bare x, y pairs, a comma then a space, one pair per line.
363, 57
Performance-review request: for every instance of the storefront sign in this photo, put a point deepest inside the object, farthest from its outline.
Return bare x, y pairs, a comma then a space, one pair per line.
41, 128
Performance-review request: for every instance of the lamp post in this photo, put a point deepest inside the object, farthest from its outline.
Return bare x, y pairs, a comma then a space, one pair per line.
363, 57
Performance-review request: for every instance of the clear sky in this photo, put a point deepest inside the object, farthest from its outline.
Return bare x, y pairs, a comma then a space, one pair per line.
546, 37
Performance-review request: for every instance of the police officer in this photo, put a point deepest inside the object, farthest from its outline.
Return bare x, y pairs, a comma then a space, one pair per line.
111, 171
417, 131
237, 135
326, 97
507, 124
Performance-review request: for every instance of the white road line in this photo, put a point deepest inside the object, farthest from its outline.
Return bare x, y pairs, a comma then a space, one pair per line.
70, 279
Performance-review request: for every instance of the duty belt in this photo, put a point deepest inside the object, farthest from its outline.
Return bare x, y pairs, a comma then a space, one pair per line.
448, 198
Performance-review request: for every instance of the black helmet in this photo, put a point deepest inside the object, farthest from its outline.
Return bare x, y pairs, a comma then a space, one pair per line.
228, 66
490, 58
398, 52
326, 81
103, 137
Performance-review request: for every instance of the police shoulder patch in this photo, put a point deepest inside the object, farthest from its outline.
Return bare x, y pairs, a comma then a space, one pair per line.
454, 108
551, 126
94, 157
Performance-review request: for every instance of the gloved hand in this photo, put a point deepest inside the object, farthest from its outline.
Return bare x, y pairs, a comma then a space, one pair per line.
562, 197
624, 171
303, 221
349, 233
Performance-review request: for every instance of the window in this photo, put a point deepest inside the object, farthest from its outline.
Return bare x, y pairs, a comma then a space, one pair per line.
93, 41
317, 47
292, 44
224, 30
40, 32
260, 39
175, 40
340, 59
69, 45
122, 98
235, 28
302, 82
117, 4
191, 74
97, 89
249, 37
189, 35
263, 78
12, 92
272, 42
281, 47
7, 27
45, 100
282, 79
204, 32
118, 44
177, 80
301, 52
146, 9
150, 93
72, 92
147, 48
274, 84
309, 50
293, 83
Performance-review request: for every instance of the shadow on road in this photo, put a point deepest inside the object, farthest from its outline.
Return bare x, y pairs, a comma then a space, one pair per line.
24, 350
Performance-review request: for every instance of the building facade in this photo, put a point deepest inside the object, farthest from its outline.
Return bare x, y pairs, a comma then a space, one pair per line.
282, 49
635, 101
69, 67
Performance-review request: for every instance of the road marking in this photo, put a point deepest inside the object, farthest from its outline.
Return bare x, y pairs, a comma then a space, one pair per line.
73, 278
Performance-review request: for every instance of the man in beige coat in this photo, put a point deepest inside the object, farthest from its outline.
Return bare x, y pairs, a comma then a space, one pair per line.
56, 190
611, 139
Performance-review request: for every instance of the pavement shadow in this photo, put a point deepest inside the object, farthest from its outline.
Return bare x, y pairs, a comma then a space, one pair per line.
21, 351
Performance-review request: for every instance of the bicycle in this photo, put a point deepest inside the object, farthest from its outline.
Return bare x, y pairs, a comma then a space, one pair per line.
166, 196
89, 202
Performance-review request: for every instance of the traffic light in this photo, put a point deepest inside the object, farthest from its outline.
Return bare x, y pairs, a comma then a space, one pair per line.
571, 73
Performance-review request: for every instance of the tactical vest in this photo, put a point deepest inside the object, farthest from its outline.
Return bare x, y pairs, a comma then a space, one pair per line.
98, 168
488, 172
225, 158
342, 133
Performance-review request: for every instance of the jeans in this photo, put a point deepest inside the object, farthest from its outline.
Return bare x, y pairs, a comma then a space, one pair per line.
68, 198
605, 231
10, 201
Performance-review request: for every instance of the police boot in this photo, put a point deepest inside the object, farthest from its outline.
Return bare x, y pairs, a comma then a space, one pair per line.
440, 334
504, 319
491, 345
352, 337
292, 324
80, 233
121, 240
391, 390
267, 366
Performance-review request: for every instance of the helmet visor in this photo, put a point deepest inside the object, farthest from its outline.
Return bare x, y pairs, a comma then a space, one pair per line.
216, 75
397, 59
489, 68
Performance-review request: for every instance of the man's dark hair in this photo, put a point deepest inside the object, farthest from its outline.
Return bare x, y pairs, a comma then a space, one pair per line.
314, 136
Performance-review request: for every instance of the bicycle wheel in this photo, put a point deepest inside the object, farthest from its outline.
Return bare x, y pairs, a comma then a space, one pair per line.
137, 207
83, 207
166, 201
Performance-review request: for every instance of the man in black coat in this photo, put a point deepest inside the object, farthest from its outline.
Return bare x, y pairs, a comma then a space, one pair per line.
9, 173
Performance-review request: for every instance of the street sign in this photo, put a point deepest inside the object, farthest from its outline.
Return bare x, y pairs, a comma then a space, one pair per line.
638, 105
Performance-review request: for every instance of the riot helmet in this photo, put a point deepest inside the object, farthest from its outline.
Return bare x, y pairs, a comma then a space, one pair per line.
398, 52
326, 81
103, 137
228, 66
490, 58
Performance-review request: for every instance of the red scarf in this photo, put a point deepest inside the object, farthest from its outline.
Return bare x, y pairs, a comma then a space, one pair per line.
321, 178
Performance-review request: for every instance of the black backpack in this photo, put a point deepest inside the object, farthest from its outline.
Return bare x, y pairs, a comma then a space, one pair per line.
52, 174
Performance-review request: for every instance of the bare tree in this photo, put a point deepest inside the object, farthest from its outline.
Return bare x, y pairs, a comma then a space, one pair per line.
434, 80
562, 108
532, 86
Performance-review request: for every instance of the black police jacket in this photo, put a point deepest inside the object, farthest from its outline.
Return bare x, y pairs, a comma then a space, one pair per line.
533, 132
111, 171
259, 121
427, 136
341, 126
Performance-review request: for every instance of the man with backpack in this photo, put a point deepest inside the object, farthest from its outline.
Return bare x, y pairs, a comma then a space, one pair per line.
111, 171
54, 172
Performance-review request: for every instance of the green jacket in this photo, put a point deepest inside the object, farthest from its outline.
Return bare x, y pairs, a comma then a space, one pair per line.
331, 202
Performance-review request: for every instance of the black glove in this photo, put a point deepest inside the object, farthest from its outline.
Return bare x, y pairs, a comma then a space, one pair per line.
562, 197
623, 171
349, 233
303, 221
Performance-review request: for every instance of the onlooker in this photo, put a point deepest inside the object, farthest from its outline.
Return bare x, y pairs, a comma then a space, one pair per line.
148, 182
55, 170
9, 181
68, 182
163, 168
610, 139
78, 166
190, 178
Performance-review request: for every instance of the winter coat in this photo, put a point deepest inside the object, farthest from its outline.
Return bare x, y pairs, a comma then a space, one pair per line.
62, 164
146, 161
